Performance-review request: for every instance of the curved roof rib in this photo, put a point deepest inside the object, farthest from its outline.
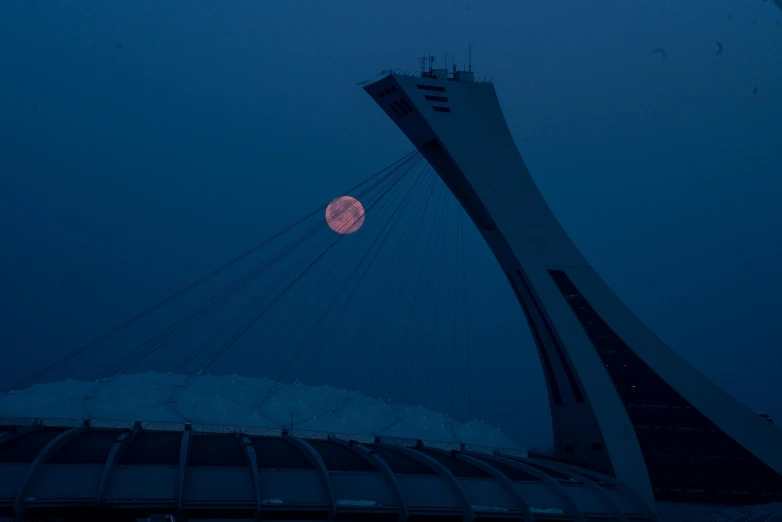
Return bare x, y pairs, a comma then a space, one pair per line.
623, 488
555, 486
120, 445
382, 466
589, 483
74, 471
504, 481
442, 471
248, 451
43, 456
184, 452
320, 467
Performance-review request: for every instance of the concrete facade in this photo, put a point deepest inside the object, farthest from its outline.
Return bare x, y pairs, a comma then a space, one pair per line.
622, 402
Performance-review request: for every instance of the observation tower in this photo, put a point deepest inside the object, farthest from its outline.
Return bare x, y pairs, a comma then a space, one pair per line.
622, 402
639, 435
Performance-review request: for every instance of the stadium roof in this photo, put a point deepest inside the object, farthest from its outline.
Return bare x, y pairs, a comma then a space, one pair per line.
76, 470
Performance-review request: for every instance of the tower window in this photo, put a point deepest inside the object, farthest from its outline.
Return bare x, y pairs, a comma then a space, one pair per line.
441, 109
689, 458
395, 110
436, 88
399, 106
406, 105
436, 98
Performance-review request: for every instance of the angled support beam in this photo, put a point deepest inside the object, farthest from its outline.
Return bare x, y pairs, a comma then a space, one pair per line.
589, 483
184, 454
445, 475
320, 468
382, 466
248, 450
42, 458
560, 491
626, 490
500, 477
117, 449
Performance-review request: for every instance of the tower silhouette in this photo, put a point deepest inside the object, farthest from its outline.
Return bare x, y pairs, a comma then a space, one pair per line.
622, 402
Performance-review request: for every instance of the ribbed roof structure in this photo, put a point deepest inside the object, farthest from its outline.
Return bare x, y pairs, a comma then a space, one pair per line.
71, 469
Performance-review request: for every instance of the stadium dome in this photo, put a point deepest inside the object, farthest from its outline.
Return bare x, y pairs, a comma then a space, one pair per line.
243, 401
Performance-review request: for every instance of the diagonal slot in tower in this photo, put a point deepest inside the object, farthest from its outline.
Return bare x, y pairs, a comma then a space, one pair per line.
622, 402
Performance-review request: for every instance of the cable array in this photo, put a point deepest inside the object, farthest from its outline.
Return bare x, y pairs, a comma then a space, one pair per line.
381, 310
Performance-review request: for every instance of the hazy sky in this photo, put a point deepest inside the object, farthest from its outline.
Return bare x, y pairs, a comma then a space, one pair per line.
144, 143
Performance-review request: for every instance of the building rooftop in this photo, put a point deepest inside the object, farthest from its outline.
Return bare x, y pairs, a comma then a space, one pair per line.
82, 469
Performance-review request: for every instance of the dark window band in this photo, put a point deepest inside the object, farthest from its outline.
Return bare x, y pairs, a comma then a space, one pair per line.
688, 457
435, 88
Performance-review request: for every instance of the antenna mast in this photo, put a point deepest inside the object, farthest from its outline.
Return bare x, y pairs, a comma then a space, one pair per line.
469, 57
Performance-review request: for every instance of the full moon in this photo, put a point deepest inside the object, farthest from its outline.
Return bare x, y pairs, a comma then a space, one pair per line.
345, 215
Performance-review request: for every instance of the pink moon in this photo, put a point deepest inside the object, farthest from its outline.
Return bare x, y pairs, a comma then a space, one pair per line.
345, 215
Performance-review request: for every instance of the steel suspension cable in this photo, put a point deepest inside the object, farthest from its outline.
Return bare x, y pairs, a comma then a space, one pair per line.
436, 302
455, 310
113, 331
468, 366
392, 222
343, 268
248, 308
393, 279
322, 317
415, 295
298, 311
396, 278
210, 304
255, 318
348, 369
258, 298
436, 229
384, 338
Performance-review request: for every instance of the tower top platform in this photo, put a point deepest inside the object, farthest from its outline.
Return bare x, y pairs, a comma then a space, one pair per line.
429, 70
438, 74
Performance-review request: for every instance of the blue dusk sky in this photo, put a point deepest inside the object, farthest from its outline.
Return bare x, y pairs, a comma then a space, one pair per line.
144, 143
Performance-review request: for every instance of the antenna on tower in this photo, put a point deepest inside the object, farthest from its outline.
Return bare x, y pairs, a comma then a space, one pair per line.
469, 57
